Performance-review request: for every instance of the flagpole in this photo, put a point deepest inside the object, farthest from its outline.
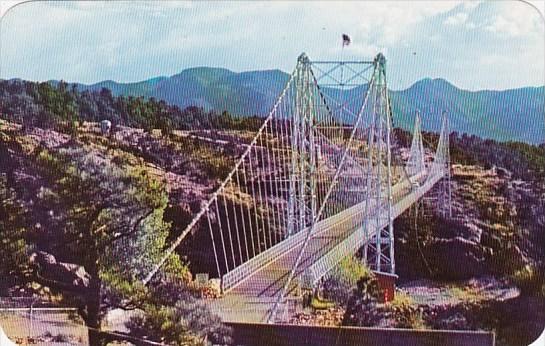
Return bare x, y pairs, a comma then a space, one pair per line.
342, 98
342, 65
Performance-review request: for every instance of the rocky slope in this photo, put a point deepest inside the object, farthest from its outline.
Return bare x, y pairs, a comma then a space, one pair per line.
190, 164
496, 226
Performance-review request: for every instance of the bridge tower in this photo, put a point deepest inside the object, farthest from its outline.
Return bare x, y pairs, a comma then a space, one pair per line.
379, 251
442, 164
415, 163
302, 203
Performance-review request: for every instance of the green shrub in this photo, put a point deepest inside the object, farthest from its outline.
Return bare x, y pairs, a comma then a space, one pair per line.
405, 313
530, 280
340, 284
321, 304
362, 308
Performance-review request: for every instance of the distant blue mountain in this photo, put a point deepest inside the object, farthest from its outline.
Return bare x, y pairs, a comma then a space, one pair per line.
246, 93
516, 114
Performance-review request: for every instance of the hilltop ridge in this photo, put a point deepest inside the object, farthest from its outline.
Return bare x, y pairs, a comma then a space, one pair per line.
504, 115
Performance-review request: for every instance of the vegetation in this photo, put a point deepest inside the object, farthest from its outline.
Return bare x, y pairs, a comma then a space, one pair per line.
214, 163
339, 286
524, 160
362, 308
13, 222
531, 280
175, 316
112, 226
107, 221
318, 303
405, 312
13, 246
64, 108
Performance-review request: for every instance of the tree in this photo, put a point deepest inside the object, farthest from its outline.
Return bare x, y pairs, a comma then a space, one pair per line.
12, 233
13, 226
111, 224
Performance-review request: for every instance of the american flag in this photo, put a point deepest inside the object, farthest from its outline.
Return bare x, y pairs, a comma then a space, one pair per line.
346, 40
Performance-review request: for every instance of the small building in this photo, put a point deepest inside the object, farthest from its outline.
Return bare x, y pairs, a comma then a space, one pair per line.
387, 284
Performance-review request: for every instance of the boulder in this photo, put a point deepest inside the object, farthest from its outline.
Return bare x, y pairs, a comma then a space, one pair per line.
459, 258
473, 233
67, 273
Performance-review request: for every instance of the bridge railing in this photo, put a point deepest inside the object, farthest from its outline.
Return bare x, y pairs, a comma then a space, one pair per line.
246, 269
243, 271
361, 235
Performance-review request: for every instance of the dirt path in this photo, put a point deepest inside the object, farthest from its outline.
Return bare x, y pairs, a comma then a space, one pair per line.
434, 294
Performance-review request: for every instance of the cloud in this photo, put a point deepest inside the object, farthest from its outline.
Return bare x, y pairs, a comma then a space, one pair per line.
471, 4
461, 16
457, 19
130, 41
516, 19
387, 22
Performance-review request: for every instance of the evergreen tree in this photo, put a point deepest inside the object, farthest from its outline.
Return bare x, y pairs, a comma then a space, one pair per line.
12, 233
112, 225
362, 307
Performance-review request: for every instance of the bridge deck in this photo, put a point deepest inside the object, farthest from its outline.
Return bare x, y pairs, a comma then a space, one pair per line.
257, 292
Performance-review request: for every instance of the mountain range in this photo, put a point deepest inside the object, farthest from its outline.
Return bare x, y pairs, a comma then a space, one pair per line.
506, 115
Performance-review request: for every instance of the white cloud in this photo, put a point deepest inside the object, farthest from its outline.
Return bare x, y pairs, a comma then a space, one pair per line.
461, 18
457, 19
516, 19
387, 21
129, 41
373, 26
471, 4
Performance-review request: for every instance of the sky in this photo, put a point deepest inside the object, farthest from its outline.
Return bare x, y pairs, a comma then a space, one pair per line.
474, 45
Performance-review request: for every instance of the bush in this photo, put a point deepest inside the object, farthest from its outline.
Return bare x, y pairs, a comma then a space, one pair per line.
13, 233
340, 284
186, 323
320, 304
405, 314
362, 309
337, 290
530, 280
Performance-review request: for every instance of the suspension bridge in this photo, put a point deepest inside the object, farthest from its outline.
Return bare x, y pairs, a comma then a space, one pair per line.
323, 177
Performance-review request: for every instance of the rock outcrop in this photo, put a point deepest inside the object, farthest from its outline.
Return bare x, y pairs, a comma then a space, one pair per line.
65, 273
490, 230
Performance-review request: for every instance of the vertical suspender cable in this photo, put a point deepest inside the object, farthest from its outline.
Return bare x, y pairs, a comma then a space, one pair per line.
203, 210
213, 242
242, 217
221, 234
236, 221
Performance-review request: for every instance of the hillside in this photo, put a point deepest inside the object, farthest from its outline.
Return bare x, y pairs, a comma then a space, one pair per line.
60, 105
516, 114
496, 237
245, 93
69, 190
81, 209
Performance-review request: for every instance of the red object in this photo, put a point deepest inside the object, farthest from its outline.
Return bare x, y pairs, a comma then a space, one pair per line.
387, 283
